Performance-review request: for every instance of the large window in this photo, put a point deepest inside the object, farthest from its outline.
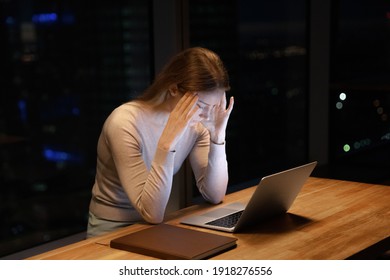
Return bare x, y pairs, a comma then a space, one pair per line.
64, 66
360, 90
264, 46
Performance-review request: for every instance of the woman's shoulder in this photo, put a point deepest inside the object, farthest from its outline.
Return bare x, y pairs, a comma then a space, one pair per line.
123, 114
130, 107
127, 110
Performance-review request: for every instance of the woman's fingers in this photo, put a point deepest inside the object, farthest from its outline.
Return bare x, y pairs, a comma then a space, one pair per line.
185, 104
231, 104
223, 101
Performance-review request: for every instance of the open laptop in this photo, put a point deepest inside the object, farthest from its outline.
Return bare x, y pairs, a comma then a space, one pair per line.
273, 196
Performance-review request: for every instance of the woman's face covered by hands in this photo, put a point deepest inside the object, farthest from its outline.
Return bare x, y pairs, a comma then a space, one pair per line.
212, 112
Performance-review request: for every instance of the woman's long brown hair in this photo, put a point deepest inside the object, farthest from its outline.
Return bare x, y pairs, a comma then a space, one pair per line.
192, 70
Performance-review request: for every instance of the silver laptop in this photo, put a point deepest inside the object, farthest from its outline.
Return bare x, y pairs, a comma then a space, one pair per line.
273, 196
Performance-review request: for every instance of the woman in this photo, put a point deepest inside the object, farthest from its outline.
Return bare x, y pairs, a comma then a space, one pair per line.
144, 142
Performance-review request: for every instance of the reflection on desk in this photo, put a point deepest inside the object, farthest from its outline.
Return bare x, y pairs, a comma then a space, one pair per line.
330, 219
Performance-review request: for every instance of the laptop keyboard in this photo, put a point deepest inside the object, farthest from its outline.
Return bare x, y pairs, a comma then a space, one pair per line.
228, 221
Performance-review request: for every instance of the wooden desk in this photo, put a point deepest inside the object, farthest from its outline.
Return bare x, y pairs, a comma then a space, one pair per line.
330, 219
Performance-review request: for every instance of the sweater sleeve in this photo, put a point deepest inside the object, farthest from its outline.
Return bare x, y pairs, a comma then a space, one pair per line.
209, 164
147, 187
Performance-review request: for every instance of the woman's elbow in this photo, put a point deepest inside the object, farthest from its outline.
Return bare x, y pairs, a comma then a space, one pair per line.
153, 219
216, 199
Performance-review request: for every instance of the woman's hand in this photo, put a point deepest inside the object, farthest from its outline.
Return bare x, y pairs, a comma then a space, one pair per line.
178, 121
218, 119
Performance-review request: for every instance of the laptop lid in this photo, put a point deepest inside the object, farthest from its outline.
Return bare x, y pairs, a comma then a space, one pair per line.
273, 196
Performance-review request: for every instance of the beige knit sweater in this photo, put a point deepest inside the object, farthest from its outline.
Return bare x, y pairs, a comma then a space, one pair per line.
134, 178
